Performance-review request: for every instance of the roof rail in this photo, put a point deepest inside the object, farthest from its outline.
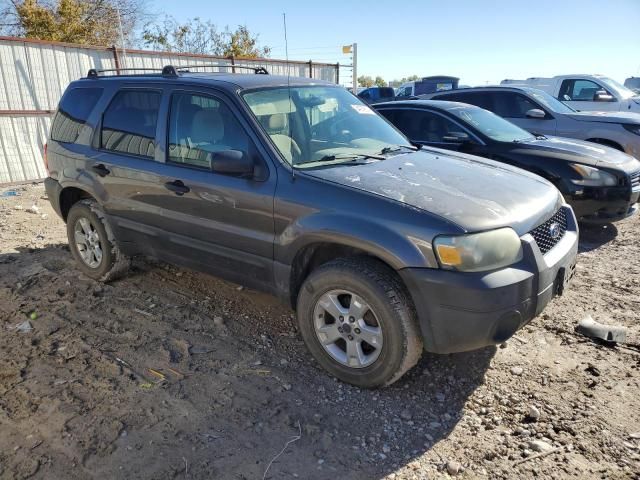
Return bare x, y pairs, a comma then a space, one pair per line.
167, 71
256, 70
171, 71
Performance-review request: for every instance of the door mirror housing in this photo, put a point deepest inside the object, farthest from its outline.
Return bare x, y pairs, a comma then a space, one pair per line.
232, 162
603, 96
536, 113
456, 137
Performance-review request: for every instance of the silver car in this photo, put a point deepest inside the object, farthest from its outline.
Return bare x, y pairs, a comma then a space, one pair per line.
540, 113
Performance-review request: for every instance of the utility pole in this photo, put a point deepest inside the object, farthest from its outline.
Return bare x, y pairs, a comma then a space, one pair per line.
355, 68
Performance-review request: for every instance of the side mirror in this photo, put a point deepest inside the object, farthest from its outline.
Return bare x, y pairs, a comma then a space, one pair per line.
603, 96
455, 137
232, 162
535, 113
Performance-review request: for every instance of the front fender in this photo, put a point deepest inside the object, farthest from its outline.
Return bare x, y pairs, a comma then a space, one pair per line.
391, 242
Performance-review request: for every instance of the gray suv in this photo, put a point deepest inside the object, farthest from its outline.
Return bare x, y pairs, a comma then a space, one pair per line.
539, 113
297, 188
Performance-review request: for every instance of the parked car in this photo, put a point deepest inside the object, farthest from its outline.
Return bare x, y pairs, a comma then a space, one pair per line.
426, 85
585, 92
377, 94
538, 112
633, 83
296, 187
600, 183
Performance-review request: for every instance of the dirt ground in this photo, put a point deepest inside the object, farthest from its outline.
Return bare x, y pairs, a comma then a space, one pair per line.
173, 374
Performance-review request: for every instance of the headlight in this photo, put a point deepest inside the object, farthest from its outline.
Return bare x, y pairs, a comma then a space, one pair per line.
632, 128
477, 252
593, 177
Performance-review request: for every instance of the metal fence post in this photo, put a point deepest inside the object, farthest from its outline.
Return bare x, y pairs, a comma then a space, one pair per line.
116, 59
310, 69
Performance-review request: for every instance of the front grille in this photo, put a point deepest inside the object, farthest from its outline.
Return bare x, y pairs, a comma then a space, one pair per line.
550, 232
635, 180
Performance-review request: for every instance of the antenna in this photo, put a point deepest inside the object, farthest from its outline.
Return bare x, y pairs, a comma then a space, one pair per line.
286, 51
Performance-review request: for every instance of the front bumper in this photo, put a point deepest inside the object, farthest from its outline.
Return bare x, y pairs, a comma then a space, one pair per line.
465, 311
603, 204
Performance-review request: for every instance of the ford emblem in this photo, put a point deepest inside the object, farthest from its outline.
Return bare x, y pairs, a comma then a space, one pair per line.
554, 230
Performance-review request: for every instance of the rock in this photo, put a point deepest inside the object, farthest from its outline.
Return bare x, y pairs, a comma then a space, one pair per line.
24, 327
287, 386
415, 465
33, 209
635, 435
453, 467
218, 321
533, 413
517, 371
405, 415
539, 446
386, 448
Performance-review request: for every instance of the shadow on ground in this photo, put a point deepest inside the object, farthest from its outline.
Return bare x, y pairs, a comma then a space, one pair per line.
173, 374
594, 236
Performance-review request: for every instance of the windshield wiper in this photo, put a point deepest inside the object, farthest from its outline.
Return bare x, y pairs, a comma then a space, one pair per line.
396, 148
350, 156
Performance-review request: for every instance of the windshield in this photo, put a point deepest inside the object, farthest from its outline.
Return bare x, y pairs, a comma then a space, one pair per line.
312, 124
620, 89
493, 126
550, 102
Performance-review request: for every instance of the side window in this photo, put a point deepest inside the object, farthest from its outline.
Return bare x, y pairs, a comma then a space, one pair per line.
479, 99
199, 126
424, 126
511, 105
578, 90
366, 94
129, 123
73, 112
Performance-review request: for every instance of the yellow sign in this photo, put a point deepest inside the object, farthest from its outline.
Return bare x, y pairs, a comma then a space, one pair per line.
347, 48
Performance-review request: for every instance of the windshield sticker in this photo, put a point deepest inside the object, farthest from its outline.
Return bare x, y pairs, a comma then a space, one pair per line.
362, 109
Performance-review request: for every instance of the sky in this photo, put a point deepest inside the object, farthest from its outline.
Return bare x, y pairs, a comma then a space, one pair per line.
479, 41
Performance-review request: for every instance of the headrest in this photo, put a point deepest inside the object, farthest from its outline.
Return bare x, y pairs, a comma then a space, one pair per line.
277, 122
207, 126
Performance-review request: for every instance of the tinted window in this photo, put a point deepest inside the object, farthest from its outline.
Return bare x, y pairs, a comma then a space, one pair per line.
129, 123
424, 126
579, 90
386, 92
199, 126
73, 112
511, 105
480, 99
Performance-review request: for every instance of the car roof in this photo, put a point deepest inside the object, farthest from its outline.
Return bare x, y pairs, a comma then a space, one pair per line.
435, 104
500, 88
231, 81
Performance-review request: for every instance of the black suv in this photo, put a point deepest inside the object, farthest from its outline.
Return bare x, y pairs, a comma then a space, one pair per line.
295, 187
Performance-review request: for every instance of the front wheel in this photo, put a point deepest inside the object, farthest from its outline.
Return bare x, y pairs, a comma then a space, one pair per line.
358, 321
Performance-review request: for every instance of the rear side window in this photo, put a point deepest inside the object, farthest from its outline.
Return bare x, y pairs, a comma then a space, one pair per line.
479, 99
74, 110
129, 123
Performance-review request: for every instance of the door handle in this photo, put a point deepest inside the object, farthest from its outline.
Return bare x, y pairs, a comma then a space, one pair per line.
101, 170
177, 187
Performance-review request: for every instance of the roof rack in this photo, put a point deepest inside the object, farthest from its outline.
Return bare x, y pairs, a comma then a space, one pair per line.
256, 70
171, 71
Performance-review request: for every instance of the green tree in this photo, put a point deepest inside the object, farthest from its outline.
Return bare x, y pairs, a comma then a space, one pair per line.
87, 22
365, 81
203, 37
380, 82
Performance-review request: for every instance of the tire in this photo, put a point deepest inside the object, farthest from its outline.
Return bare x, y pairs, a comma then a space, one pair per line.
389, 320
86, 218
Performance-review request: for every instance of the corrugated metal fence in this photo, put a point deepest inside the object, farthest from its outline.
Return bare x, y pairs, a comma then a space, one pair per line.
34, 75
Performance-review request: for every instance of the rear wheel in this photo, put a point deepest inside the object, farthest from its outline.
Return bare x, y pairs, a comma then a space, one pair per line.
92, 244
359, 322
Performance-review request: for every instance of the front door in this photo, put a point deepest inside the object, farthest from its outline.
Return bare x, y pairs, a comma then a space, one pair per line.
582, 95
215, 221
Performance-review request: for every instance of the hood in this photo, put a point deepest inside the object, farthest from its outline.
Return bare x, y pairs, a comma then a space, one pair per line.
631, 118
579, 151
472, 192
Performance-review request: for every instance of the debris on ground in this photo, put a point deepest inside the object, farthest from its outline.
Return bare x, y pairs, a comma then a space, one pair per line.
609, 333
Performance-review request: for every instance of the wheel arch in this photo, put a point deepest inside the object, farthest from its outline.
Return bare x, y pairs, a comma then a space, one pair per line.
71, 195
